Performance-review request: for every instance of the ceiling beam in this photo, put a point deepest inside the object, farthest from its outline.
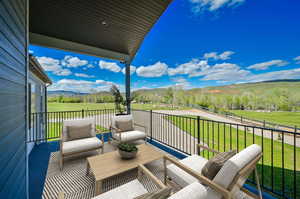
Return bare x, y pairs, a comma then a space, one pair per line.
51, 42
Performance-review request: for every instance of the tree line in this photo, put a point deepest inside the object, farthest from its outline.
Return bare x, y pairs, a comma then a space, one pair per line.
275, 100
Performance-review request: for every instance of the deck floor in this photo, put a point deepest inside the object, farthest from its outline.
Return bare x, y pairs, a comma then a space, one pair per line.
46, 180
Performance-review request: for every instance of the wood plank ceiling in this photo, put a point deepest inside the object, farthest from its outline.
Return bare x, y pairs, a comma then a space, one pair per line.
116, 26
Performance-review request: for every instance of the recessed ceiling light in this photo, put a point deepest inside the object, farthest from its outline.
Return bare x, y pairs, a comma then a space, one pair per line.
104, 23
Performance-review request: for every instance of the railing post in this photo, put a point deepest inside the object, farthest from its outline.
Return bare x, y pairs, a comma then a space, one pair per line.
46, 126
151, 125
82, 113
198, 133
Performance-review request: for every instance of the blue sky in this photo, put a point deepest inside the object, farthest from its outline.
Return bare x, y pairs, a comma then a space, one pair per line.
196, 43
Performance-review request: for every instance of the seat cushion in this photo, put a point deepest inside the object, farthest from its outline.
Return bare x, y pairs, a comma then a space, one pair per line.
192, 191
182, 178
129, 190
213, 166
79, 132
130, 136
79, 145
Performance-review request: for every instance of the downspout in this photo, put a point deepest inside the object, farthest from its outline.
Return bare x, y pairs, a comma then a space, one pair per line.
46, 110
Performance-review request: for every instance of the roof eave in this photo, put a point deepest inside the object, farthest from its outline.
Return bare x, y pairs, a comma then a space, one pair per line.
42, 40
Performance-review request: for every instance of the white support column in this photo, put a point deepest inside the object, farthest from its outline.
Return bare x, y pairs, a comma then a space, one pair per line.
127, 86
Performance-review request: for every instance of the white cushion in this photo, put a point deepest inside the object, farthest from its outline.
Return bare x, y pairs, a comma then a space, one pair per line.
85, 144
192, 191
130, 136
129, 190
232, 167
78, 122
182, 178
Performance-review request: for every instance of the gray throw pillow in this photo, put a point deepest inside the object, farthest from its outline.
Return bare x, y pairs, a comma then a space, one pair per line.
125, 125
79, 132
159, 194
213, 166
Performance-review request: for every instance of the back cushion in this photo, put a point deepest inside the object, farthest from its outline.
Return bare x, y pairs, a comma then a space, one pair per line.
213, 165
79, 132
79, 122
124, 125
230, 169
115, 119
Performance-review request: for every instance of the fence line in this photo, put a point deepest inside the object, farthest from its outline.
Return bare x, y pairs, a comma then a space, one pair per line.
247, 119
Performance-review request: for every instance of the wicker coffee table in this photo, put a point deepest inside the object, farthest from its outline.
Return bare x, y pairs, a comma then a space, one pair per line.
110, 164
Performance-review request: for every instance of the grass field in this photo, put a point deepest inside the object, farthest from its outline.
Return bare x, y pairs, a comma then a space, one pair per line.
54, 107
284, 118
222, 137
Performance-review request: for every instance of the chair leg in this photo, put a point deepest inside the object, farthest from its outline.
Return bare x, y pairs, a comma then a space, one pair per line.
257, 183
102, 149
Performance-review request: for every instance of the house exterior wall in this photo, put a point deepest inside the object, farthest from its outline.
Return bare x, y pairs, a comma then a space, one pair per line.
38, 88
13, 108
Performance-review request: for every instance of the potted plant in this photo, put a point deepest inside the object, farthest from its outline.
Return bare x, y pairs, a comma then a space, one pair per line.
120, 103
127, 151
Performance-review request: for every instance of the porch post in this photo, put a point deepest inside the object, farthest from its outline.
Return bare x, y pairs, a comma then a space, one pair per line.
127, 85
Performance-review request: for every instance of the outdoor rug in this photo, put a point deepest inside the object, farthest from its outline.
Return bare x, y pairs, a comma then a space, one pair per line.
74, 182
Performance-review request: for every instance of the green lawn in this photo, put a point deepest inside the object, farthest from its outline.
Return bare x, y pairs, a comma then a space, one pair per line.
218, 136
55, 107
285, 118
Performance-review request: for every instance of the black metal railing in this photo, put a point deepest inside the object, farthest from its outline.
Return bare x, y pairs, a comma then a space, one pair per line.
279, 168
47, 126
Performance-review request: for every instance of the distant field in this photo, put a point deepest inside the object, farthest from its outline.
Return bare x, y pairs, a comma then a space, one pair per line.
54, 107
285, 118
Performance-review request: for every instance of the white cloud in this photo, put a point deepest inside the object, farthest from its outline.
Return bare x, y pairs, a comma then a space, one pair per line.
90, 66
104, 82
226, 72
266, 65
199, 6
83, 75
156, 70
82, 86
73, 62
49, 64
63, 72
282, 74
222, 56
109, 66
226, 55
181, 82
53, 65
30, 51
297, 59
188, 68
132, 70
